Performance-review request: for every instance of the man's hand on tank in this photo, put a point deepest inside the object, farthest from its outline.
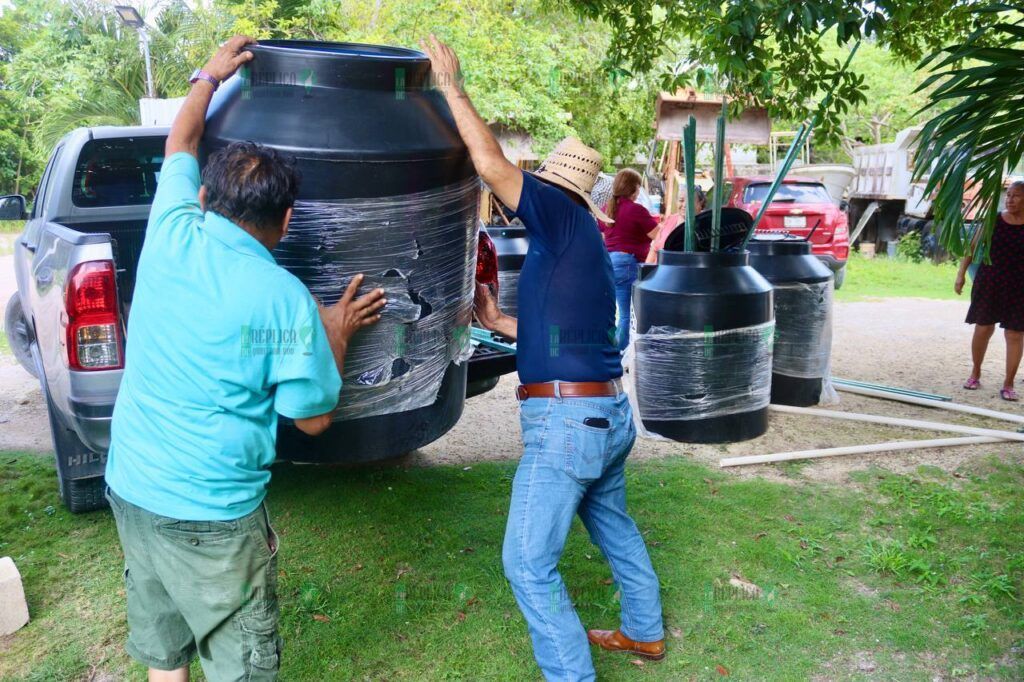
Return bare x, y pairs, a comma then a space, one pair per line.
350, 314
485, 306
229, 57
444, 65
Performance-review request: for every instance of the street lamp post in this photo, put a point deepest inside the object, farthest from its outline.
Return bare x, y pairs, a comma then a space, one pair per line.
130, 17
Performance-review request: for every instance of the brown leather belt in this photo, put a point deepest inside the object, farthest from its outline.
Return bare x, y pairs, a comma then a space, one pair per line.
570, 389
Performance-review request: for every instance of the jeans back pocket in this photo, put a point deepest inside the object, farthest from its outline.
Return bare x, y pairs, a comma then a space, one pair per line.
586, 450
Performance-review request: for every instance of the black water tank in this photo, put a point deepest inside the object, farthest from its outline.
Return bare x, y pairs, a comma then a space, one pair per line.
698, 378
511, 243
387, 190
803, 317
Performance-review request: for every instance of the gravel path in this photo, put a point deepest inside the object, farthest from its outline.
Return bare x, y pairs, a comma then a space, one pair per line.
916, 343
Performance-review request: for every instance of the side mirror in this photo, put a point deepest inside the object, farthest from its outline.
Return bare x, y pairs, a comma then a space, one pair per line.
12, 207
844, 205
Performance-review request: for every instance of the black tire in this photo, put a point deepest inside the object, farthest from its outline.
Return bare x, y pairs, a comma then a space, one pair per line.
79, 495
840, 277
84, 494
19, 334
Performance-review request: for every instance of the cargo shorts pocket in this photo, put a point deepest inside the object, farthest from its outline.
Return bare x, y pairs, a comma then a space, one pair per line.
586, 450
261, 645
195, 532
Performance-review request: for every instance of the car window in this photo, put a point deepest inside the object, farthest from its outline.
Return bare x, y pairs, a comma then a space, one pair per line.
117, 172
40, 198
793, 192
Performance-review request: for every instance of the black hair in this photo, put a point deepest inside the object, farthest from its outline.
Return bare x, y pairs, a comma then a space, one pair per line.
251, 184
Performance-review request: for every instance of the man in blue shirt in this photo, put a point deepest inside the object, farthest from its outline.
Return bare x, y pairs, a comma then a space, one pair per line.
577, 425
221, 340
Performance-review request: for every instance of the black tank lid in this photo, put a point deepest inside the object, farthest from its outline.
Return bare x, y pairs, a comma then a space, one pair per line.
778, 245
704, 259
337, 65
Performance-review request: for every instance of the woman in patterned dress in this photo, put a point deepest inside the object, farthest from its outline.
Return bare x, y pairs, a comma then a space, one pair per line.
998, 293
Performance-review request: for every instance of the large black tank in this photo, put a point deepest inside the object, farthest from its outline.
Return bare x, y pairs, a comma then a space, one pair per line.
387, 190
699, 379
803, 316
511, 243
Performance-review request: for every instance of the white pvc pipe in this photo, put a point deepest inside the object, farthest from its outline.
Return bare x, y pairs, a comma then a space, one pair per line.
894, 421
953, 407
857, 450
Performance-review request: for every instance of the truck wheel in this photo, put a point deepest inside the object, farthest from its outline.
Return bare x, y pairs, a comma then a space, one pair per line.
84, 494
78, 494
840, 277
19, 334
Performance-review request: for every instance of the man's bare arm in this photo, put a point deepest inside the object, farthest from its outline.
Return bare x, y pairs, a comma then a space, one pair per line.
504, 179
485, 306
190, 122
341, 321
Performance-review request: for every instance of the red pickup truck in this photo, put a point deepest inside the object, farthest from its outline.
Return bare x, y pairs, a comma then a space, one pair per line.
801, 207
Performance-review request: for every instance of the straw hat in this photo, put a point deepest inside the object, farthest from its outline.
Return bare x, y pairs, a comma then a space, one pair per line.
574, 166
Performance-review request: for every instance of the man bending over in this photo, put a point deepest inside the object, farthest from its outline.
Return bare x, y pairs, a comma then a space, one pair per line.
222, 341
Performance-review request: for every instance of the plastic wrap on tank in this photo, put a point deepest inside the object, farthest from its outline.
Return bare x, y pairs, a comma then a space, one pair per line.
681, 375
803, 333
415, 247
508, 292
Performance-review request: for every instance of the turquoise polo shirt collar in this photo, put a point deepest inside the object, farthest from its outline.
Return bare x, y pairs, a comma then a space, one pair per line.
234, 237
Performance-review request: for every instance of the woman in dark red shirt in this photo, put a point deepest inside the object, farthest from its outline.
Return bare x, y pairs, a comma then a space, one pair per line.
628, 240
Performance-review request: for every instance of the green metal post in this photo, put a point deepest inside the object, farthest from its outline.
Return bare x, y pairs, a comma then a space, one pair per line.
801, 136
716, 205
690, 161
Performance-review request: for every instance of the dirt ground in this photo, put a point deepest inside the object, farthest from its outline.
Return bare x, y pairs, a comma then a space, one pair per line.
915, 343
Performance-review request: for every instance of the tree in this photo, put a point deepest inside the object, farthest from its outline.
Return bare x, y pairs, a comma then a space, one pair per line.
773, 52
530, 66
981, 135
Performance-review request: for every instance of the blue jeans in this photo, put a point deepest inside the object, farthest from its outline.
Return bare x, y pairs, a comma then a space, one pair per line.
569, 467
626, 268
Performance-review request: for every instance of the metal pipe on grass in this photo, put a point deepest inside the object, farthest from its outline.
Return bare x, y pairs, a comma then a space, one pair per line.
926, 402
857, 450
896, 421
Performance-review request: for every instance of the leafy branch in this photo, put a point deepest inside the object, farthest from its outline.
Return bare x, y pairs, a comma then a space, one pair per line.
972, 144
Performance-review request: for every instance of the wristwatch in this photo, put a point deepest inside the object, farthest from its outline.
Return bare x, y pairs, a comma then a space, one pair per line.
200, 75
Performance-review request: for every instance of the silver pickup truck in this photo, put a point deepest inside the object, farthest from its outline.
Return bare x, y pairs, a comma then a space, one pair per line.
75, 265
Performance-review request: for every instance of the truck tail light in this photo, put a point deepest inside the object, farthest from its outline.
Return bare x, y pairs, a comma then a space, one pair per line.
93, 326
487, 262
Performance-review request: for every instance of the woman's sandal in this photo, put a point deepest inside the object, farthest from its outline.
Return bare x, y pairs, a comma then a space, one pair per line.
972, 384
1009, 394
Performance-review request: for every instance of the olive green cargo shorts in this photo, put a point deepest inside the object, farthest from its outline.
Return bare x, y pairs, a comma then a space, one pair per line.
201, 587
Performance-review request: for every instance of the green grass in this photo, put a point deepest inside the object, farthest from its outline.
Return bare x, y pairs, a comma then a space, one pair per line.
391, 574
882, 277
11, 226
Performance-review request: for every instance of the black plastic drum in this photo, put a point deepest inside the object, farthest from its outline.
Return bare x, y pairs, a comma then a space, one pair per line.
803, 317
387, 190
703, 349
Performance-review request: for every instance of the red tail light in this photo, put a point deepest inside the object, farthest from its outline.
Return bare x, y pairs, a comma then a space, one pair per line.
93, 327
487, 262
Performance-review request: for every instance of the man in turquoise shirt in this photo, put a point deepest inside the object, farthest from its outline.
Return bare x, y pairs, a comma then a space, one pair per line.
221, 340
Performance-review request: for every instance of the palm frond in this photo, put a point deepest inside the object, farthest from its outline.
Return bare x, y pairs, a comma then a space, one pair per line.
973, 143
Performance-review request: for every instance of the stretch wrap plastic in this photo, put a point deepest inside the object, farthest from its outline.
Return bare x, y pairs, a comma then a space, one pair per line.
683, 375
421, 249
803, 333
508, 292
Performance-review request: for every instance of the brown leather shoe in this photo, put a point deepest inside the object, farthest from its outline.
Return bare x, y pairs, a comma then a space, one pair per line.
616, 641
